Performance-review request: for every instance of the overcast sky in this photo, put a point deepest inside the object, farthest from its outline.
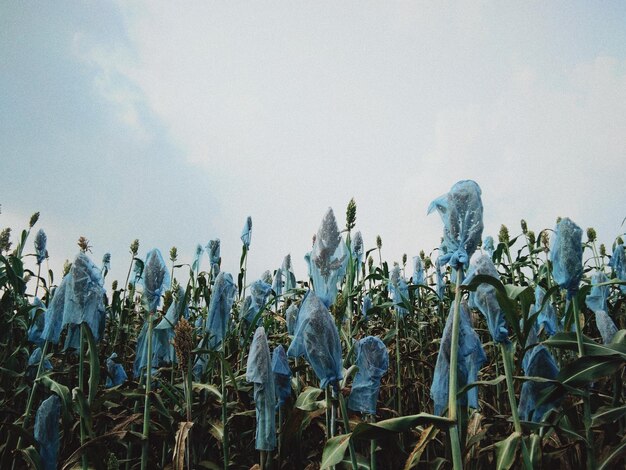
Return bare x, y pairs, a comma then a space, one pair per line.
172, 123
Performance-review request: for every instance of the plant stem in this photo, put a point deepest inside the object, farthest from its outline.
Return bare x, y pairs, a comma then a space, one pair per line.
224, 412
346, 424
398, 373
81, 387
591, 460
372, 419
146, 411
452, 385
507, 359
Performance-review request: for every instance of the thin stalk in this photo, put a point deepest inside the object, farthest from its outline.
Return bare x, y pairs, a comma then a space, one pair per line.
119, 323
507, 359
453, 382
262, 458
81, 387
146, 410
224, 413
38, 279
398, 372
591, 459
346, 424
372, 419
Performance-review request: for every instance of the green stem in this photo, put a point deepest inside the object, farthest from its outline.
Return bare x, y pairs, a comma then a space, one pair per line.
507, 359
224, 413
452, 385
146, 411
346, 424
398, 372
591, 460
81, 387
372, 419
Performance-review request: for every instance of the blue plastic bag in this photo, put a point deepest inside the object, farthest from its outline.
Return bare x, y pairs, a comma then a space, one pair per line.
37, 315
327, 260
259, 371
372, 359
398, 290
461, 211
471, 357
488, 246
282, 374
566, 255
40, 246
213, 249
116, 375
597, 299
484, 299
246, 233
316, 338
156, 279
539, 363
46, 431
547, 316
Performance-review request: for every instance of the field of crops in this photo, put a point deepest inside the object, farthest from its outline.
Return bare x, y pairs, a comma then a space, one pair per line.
503, 352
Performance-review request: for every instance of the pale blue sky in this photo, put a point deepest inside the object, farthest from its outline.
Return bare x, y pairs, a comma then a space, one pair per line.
173, 123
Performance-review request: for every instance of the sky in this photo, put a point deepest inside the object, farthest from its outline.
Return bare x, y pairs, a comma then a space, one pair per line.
172, 123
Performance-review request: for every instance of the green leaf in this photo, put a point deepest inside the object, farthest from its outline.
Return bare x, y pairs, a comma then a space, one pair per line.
82, 408
32, 457
506, 450
334, 450
307, 400
614, 456
469, 386
94, 362
426, 436
606, 414
588, 369
397, 425
568, 341
62, 391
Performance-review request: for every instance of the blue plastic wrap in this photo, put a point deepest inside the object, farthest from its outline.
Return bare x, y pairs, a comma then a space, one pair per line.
282, 374
84, 298
471, 357
259, 292
598, 296
246, 233
547, 316
163, 333
484, 299
291, 317
441, 285
37, 314
367, 304
222, 298
289, 277
277, 284
398, 290
54, 315
539, 363
327, 260
418, 278
605, 325
316, 338
106, 264
618, 263
197, 258
488, 246
116, 375
213, 249
33, 364
259, 371
138, 269
46, 431
461, 211
566, 255
357, 250
372, 360
156, 279
40, 245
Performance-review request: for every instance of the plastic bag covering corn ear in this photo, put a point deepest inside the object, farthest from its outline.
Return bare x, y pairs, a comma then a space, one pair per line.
246, 233
618, 263
277, 285
484, 299
37, 314
547, 315
106, 263
605, 325
222, 299
116, 375
539, 363
441, 285
282, 374
566, 255
372, 359
195, 266
259, 292
84, 299
357, 250
398, 291
47, 431
33, 364
418, 272
461, 211
471, 357
259, 371
367, 304
54, 315
316, 338
598, 296
488, 246
291, 318
328, 259
137, 273
163, 333
213, 249
156, 279
40, 246
287, 272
